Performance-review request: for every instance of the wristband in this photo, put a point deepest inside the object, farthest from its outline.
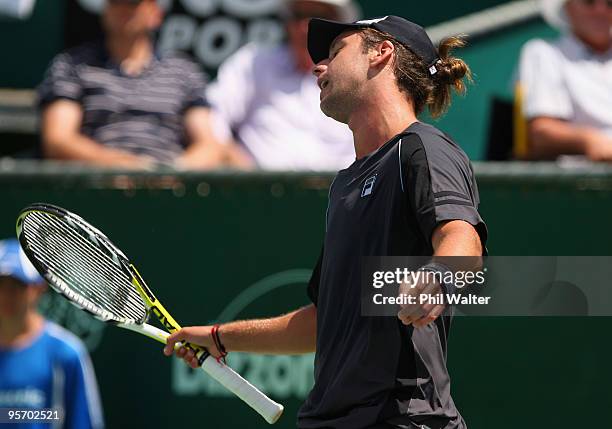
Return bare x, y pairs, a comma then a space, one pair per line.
214, 333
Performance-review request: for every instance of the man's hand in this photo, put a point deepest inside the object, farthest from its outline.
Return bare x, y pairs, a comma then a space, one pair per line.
420, 314
196, 335
551, 137
598, 147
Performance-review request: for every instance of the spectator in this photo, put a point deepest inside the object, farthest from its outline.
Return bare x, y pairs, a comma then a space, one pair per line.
567, 83
41, 364
116, 103
268, 100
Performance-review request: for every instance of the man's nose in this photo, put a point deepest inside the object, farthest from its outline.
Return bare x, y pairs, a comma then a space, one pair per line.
320, 68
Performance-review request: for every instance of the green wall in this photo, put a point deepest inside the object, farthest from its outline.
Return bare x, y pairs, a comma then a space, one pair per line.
27, 47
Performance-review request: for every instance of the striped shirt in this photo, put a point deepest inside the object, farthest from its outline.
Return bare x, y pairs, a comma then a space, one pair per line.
141, 114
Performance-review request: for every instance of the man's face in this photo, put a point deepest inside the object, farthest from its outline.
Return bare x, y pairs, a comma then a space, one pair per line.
14, 298
342, 76
300, 13
131, 18
591, 21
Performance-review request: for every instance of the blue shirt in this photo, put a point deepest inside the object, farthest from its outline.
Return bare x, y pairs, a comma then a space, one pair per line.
54, 371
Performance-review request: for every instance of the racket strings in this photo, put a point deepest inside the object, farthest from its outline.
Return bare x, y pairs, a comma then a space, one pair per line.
98, 285
81, 279
110, 274
86, 271
94, 294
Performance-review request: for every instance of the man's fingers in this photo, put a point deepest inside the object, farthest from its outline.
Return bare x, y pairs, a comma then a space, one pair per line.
182, 335
408, 317
430, 316
174, 338
432, 291
437, 311
410, 313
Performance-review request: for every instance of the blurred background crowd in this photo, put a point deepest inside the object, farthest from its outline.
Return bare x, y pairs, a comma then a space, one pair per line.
139, 84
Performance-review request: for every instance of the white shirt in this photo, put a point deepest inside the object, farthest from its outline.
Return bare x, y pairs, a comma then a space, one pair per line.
273, 109
565, 79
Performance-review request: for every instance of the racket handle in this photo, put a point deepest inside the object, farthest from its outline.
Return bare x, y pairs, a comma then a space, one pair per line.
231, 380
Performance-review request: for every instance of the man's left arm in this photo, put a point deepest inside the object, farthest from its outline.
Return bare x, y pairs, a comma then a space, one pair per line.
443, 197
456, 238
452, 238
204, 151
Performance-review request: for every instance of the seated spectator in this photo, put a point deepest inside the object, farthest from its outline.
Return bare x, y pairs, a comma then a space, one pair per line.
41, 364
116, 103
567, 83
268, 100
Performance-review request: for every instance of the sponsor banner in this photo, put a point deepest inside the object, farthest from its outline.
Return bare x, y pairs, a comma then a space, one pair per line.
209, 30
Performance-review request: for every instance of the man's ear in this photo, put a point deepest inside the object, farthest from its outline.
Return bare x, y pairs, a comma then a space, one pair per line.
383, 53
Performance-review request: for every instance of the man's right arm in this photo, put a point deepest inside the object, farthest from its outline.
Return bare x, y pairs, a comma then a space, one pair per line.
292, 333
548, 107
551, 137
62, 139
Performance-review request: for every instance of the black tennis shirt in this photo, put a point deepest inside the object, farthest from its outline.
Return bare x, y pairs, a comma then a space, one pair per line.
370, 370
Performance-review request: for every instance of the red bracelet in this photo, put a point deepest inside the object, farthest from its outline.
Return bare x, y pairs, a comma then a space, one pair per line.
214, 333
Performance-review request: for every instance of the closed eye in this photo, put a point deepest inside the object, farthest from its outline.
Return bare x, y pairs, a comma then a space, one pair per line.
334, 49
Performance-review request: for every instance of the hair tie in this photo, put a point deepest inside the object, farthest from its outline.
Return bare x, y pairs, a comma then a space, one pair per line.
433, 69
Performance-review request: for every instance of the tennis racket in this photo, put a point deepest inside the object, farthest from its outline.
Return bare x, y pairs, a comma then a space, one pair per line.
82, 264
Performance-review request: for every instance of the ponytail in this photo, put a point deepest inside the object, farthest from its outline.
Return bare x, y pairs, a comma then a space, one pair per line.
450, 74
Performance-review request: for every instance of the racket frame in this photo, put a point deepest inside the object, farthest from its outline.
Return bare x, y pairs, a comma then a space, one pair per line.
268, 409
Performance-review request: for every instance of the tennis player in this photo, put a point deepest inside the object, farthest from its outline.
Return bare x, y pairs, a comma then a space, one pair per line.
410, 191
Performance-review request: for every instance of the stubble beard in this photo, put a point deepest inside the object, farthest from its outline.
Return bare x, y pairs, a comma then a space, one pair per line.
338, 105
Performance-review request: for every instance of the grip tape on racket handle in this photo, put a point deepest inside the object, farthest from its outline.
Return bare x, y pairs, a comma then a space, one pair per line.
267, 408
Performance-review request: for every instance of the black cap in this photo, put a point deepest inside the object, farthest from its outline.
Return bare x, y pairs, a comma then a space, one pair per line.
322, 33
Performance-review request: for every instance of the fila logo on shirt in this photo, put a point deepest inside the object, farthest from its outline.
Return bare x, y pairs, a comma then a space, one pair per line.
368, 186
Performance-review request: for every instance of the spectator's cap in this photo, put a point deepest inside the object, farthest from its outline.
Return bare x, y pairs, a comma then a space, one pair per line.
14, 263
322, 33
348, 10
553, 12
